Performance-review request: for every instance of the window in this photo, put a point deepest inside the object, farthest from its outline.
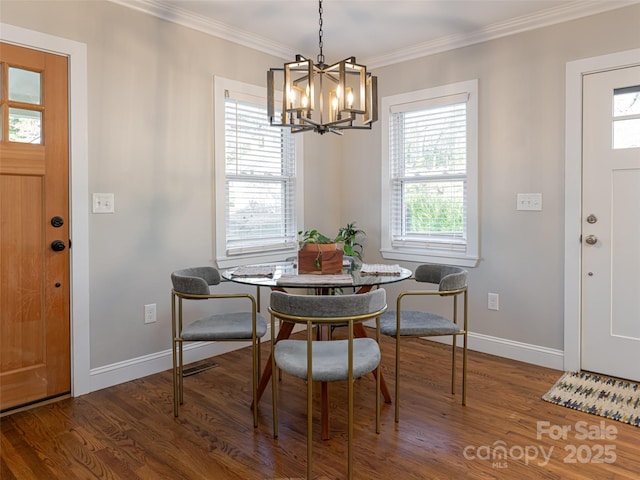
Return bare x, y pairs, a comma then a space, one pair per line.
429, 190
257, 191
25, 106
626, 117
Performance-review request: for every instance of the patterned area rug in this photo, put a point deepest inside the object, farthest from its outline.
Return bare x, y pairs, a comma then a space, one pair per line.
599, 395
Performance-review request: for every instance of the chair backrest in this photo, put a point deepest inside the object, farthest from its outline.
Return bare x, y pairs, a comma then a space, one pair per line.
447, 277
333, 307
195, 281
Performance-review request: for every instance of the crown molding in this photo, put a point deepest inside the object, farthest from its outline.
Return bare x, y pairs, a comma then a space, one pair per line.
207, 25
563, 13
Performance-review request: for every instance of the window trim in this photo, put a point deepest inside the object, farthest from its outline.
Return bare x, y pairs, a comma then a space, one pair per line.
223, 259
422, 253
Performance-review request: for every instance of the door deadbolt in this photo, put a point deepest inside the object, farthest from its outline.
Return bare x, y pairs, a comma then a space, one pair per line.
591, 240
592, 218
57, 221
58, 246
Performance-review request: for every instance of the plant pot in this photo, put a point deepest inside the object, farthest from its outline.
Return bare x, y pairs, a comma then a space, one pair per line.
320, 258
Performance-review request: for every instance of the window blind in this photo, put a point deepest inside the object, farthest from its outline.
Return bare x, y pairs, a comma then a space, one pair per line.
428, 159
259, 179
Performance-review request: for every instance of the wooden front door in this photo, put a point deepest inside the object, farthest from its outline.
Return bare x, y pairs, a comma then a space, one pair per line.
34, 227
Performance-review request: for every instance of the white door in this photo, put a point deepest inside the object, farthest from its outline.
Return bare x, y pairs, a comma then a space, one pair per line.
611, 223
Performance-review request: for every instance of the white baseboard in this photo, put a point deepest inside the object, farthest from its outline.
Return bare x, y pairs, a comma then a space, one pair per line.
114, 374
502, 347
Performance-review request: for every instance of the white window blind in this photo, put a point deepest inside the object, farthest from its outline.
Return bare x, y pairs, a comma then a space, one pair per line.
260, 177
430, 189
428, 158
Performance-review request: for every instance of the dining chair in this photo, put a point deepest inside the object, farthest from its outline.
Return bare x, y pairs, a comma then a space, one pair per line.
399, 323
327, 360
245, 325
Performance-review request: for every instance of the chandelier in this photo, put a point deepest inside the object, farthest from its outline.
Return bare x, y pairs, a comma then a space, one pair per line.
320, 97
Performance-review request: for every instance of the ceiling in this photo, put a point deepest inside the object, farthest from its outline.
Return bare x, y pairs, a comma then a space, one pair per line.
376, 32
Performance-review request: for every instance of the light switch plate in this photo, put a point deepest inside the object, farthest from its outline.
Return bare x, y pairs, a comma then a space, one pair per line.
103, 203
493, 301
529, 201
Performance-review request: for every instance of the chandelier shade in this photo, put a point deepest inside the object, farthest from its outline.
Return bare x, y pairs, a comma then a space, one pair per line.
308, 96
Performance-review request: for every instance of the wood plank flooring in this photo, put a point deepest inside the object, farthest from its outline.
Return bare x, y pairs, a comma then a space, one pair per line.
129, 432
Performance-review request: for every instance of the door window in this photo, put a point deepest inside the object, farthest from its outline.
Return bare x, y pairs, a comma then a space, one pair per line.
626, 117
25, 100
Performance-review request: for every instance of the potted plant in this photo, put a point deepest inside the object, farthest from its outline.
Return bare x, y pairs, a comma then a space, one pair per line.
320, 253
348, 235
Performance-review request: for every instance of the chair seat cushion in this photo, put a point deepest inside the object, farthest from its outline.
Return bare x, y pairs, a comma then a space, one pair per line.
416, 324
330, 358
224, 326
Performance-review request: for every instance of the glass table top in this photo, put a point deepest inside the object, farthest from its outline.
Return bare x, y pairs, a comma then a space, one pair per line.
285, 274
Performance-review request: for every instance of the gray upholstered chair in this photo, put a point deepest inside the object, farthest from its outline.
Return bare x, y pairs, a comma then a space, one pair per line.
247, 325
452, 282
327, 360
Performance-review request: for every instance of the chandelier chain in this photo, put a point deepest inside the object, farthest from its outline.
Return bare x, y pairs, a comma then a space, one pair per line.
320, 58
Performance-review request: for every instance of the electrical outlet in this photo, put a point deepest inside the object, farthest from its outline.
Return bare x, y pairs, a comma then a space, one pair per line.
150, 313
493, 301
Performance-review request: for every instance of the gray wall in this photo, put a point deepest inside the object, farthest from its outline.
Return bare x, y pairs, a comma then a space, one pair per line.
521, 149
150, 88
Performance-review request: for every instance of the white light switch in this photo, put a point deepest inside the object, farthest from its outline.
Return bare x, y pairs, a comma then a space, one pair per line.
493, 301
103, 203
529, 201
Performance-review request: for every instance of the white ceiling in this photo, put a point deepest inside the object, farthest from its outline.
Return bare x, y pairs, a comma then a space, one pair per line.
377, 32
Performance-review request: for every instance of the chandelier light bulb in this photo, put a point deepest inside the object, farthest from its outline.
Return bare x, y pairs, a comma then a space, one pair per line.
349, 98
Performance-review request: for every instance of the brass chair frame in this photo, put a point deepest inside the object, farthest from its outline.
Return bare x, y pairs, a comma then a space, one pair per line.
463, 332
310, 321
176, 328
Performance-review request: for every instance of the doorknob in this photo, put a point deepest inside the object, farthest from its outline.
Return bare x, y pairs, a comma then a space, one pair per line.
58, 246
591, 240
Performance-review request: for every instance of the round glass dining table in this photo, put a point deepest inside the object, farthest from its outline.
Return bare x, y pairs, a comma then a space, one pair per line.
277, 276
285, 275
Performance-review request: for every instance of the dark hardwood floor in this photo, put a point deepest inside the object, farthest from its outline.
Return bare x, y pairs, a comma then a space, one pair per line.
129, 432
